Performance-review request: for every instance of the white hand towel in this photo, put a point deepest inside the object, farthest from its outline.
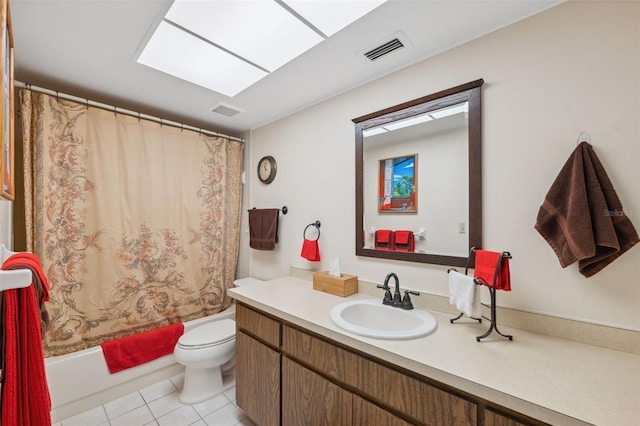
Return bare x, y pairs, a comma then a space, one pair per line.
463, 294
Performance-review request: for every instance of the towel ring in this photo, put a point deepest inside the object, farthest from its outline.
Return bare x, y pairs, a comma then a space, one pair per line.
317, 226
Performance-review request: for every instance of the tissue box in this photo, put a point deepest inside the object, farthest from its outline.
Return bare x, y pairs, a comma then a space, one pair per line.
343, 286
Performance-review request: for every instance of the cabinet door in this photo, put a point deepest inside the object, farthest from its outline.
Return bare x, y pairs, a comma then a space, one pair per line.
309, 399
257, 380
368, 414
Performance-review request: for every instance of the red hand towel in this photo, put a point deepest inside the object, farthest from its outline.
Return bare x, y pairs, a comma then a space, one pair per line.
402, 237
486, 268
310, 250
131, 351
25, 392
382, 236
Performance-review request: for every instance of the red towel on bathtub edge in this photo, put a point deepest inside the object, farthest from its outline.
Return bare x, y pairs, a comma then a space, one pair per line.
131, 351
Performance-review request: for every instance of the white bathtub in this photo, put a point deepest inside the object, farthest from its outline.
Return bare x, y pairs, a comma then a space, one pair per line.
80, 381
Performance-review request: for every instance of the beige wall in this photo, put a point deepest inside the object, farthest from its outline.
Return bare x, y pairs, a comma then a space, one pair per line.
6, 225
572, 68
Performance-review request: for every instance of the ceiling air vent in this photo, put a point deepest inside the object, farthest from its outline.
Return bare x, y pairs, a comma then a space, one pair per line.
226, 110
385, 49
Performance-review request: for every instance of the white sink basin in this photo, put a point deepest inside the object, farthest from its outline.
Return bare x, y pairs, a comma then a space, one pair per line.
371, 318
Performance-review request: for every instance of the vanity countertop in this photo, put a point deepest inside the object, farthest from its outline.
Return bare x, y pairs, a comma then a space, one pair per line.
554, 380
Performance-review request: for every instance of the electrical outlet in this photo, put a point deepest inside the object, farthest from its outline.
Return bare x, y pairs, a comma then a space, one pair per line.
462, 227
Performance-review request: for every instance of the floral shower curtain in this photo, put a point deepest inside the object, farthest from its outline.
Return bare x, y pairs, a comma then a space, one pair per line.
136, 223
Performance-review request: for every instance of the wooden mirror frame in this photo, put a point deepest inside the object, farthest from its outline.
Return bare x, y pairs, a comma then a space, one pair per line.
469, 92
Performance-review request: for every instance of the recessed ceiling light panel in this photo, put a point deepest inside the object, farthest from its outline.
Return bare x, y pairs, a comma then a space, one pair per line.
332, 16
263, 32
228, 45
178, 53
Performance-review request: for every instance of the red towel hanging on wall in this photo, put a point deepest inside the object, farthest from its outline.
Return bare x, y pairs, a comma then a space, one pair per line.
486, 262
25, 393
310, 250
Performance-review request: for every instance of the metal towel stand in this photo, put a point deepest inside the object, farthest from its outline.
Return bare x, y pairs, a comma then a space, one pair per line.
492, 290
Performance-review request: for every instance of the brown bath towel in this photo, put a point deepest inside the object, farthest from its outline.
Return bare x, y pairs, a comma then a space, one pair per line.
582, 218
263, 228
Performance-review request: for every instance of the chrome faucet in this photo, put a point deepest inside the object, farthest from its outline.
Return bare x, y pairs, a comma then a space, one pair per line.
396, 301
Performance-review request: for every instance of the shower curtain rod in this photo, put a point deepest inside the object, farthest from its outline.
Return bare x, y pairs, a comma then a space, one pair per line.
120, 110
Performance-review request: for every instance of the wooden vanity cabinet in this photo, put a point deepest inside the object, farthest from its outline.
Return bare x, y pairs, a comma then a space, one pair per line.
286, 375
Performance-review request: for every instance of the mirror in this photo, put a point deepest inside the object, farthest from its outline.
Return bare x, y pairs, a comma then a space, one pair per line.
443, 132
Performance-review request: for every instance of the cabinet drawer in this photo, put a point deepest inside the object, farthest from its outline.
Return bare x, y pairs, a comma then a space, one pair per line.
322, 356
417, 399
258, 325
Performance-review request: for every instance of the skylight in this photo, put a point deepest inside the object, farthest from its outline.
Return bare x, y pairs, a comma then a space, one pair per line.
226, 45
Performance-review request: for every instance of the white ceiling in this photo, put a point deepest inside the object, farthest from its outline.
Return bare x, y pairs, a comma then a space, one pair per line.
88, 48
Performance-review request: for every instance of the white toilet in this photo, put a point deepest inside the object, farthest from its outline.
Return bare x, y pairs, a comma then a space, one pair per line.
207, 352
204, 351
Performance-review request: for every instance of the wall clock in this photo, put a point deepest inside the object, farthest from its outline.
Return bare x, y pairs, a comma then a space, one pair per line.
267, 169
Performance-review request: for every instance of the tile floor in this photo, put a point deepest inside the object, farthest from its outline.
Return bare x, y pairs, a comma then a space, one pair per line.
158, 405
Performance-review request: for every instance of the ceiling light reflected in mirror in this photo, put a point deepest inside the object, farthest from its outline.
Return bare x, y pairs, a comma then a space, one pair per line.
432, 115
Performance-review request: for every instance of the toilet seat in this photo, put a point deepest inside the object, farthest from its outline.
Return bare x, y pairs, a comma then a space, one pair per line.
208, 335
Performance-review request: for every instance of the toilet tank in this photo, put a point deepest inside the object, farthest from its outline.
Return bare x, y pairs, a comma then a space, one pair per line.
247, 281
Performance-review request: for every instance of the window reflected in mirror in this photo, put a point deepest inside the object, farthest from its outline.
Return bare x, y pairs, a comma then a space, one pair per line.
397, 185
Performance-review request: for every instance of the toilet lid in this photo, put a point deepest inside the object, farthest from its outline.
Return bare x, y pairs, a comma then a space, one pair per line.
210, 334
